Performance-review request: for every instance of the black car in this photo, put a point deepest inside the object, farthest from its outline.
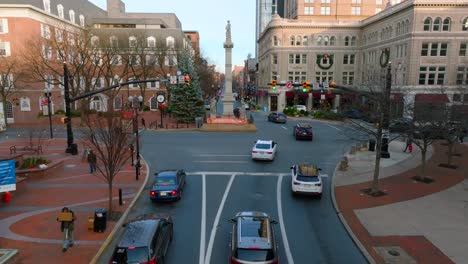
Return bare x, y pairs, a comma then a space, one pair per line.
253, 239
303, 131
144, 241
277, 117
352, 113
168, 185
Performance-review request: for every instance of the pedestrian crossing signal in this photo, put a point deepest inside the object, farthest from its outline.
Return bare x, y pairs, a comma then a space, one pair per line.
187, 79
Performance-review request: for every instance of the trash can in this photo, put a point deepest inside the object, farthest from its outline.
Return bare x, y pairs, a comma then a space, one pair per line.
199, 121
384, 144
371, 144
100, 220
74, 149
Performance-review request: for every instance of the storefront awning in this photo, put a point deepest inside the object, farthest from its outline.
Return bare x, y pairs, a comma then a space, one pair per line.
327, 95
431, 98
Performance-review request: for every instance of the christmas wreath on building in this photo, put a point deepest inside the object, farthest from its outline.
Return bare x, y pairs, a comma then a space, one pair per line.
320, 58
384, 57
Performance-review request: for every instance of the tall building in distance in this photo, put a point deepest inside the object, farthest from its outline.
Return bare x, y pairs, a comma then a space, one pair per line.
265, 11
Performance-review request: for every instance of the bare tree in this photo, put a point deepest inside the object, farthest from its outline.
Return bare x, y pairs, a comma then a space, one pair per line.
11, 75
108, 137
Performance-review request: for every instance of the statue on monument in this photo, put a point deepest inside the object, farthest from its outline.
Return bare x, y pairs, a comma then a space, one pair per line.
228, 31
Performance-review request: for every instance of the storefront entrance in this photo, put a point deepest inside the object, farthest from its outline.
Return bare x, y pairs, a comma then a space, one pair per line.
274, 103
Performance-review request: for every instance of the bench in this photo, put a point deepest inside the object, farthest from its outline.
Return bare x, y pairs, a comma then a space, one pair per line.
36, 150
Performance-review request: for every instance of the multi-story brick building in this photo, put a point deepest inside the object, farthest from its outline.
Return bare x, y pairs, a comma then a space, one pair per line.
59, 25
348, 41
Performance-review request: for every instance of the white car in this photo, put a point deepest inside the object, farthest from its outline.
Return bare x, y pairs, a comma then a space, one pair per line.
300, 107
264, 150
306, 179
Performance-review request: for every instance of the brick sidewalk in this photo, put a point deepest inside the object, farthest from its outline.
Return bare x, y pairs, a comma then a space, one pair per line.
28, 222
399, 188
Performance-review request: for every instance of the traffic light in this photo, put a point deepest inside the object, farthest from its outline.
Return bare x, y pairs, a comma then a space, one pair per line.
273, 84
187, 79
305, 87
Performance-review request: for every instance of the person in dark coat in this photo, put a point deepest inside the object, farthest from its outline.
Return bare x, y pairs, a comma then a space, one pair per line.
143, 122
409, 142
92, 160
67, 228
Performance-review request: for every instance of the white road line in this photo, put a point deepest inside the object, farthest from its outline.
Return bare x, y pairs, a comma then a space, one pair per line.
216, 155
333, 127
285, 128
287, 250
216, 221
203, 222
219, 161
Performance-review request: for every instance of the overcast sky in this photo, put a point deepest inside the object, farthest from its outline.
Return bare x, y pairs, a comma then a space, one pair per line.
209, 18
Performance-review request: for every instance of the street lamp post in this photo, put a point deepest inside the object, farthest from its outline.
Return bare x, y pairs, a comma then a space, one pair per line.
386, 112
135, 104
71, 148
47, 94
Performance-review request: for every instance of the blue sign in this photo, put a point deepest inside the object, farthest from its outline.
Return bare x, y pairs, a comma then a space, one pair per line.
7, 176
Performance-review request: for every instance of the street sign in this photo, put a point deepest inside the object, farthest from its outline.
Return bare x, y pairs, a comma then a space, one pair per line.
7, 176
288, 85
163, 80
181, 79
322, 97
315, 86
173, 79
326, 85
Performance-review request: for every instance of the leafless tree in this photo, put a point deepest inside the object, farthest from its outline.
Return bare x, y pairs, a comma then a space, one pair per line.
108, 137
12, 74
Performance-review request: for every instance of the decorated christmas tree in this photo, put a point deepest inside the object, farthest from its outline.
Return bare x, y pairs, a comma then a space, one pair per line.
186, 99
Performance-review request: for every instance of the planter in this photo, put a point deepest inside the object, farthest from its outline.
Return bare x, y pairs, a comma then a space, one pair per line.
37, 173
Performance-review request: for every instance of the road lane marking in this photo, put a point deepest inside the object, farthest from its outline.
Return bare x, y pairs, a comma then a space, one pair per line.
219, 161
216, 221
203, 222
333, 127
285, 128
216, 155
287, 250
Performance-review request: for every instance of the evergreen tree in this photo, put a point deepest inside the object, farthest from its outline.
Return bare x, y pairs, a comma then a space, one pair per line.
186, 99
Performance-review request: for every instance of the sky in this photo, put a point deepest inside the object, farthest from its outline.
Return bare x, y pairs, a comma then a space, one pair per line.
209, 18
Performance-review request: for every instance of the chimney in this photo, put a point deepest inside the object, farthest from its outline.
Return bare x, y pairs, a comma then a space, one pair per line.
115, 7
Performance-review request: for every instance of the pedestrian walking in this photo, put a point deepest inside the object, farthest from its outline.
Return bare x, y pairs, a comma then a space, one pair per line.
409, 142
410, 148
92, 161
143, 123
67, 218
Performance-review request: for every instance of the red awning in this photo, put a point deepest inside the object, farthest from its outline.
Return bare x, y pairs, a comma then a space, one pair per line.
431, 98
327, 95
289, 94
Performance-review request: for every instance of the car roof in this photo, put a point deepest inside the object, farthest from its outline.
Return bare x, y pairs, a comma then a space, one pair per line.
139, 233
304, 125
248, 226
259, 141
306, 169
168, 173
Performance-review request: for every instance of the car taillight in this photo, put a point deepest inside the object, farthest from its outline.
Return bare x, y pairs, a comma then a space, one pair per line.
152, 193
150, 262
296, 183
269, 152
318, 184
174, 192
298, 132
309, 133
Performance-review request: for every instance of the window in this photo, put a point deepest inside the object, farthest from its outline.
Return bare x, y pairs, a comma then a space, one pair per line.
457, 97
150, 60
72, 16
98, 82
437, 24
355, 10
378, 2
325, 1
425, 49
434, 49
462, 76
319, 41
95, 41
115, 60
274, 75
349, 58
326, 41
378, 10
58, 35
82, 20
170, 60
5, 49
291, 40
275, 41
153, 103
427, 24
446, 24
6, 81
133, 60
297, 58
3, 25
47, 52
46, 5
71, 39
25, 104
151, 42
274, 59
355, 1
305, 40
60, 11
465, 24
298, 40
297, 77
114, 42
308, 10
332, 41
346, 41
325, 10
462, 49
431, 75
170, 43
45, 31
348, 78
353, 41
309, 1
154, 85
132, 42
49, 81
117, 103
323, 76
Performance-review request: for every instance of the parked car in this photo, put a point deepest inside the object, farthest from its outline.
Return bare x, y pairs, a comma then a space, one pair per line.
303, 131
277, 117
253, 239
144, 241
264, 150
306, 179
300, 107
352, 113
168, 185
401, 125
371, 117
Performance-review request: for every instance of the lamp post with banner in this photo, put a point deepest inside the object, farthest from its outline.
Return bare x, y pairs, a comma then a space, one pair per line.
135, 103
46, 102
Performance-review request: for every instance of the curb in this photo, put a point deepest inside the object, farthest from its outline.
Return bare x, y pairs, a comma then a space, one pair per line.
119, 223
345, 223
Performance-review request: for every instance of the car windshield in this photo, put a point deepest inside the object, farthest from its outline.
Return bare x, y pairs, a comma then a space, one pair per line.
137, 255
164, 181
254, 254
262, 146
281, 115
308, 178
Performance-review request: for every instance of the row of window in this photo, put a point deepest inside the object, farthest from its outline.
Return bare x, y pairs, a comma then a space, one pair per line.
100, 82
61, 13
302, 59
297, 40
434, 49
326, 10
438, 24
133, 42
377, 2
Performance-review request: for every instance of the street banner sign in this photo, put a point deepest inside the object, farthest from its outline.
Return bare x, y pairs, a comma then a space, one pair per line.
289, 85
315, 86
173, 79
7, 176
326, 85
181, 79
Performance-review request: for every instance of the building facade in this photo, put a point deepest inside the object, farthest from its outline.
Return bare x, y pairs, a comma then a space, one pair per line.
425, 40
62, 28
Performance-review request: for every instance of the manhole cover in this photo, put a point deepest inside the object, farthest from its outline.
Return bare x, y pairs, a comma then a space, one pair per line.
393, 252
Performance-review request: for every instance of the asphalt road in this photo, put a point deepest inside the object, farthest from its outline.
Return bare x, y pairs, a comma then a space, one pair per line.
222, 180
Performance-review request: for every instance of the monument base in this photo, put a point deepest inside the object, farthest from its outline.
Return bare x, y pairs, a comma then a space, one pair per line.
228, 128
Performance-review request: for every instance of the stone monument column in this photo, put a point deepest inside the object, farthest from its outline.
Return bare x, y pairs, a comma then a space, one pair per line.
228, 99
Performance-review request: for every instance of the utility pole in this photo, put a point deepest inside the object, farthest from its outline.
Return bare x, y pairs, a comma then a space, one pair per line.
386, 112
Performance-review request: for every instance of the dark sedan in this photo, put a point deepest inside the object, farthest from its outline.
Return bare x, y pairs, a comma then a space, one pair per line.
303, 131
168, 185
277, 118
